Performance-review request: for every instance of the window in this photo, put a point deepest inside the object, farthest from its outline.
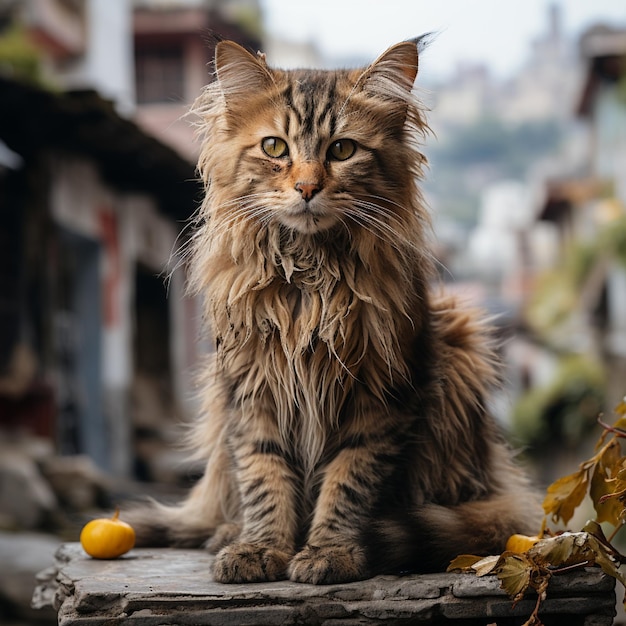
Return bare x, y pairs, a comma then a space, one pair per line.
160, 75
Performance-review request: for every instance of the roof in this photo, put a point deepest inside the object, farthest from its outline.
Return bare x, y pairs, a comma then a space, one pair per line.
563, 194
605, 50
82, 122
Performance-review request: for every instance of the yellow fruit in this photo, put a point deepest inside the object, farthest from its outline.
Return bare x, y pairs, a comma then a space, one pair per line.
107, 538
520, 543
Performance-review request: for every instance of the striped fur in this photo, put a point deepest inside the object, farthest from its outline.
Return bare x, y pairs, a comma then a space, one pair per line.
344, 425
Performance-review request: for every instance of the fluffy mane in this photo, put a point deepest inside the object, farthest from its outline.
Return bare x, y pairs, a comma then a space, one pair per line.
357, 288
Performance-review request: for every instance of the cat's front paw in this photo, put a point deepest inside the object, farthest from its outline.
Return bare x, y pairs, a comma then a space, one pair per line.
250, 563
330, 564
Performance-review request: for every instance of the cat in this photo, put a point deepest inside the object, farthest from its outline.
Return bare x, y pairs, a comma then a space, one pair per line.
344, 427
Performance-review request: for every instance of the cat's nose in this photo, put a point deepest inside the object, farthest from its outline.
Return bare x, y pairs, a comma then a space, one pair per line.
307, 190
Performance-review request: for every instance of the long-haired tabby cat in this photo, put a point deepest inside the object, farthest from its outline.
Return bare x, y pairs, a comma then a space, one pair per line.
344, 426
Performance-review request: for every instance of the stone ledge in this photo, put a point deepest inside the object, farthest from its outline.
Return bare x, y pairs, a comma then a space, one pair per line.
157, 587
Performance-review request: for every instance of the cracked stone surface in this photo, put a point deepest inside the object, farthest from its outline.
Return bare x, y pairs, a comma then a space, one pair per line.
159, 587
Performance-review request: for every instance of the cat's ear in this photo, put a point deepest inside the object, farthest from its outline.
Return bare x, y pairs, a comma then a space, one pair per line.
393, 72
238, 71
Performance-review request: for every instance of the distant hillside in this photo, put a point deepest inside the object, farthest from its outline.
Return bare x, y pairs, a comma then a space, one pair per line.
469, 157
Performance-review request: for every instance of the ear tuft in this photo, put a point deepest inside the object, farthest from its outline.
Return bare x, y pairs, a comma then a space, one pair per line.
238, 71
394, 71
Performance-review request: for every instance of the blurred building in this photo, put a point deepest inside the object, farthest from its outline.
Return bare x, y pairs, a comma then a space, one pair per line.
543, 87
571, 360
173, 50
589, 210
97, 184
92, 208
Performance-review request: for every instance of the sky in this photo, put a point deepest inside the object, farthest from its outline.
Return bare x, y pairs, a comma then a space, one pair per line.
494, 32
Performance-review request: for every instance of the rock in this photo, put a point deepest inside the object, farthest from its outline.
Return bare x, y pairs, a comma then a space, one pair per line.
76, 481
26, 499
40, 490
23, 556
150, 587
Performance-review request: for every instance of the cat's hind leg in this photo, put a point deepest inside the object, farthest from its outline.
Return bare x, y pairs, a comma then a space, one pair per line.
428, 538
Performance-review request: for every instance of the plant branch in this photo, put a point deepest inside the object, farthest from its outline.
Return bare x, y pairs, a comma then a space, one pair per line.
618, 432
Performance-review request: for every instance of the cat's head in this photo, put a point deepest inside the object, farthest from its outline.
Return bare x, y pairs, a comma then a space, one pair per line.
312, 150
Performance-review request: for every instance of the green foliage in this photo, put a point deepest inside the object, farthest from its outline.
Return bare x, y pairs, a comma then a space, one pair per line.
613, 239
553, 301
556, 294
565, 409
18, 56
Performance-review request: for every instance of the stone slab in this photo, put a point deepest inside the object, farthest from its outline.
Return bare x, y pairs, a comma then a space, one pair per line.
160, 587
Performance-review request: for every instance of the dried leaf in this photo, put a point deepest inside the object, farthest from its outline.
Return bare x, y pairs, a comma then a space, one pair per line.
533, 620
604, 476
486, 565
593, 528
621, 473
618, 429
514, 572
565, 495
561, 551
608, 509
620, 424
464, 563
610, 456
604, 559
576, 548
540, 585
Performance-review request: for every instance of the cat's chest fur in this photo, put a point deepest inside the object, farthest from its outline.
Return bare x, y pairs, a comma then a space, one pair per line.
308, 320
319, 316
298, 340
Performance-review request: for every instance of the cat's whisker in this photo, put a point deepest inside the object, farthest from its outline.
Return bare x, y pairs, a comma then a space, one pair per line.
245, 208
179, 252
375, 231
393, 225
381, 219
184, 251
346, 227
363, 215
385, 211
387, 200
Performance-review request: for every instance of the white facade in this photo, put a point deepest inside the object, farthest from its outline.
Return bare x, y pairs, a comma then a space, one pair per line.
86, 45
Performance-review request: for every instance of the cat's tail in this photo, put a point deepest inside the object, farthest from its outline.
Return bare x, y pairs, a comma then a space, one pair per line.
426, 540
210, 504
158, 525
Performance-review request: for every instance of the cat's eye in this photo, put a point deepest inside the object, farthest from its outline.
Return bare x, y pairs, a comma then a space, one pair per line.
341, 149
275, 147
